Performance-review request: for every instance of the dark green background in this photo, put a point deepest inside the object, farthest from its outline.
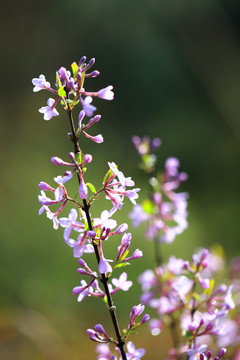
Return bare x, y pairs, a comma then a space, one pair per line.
175, 68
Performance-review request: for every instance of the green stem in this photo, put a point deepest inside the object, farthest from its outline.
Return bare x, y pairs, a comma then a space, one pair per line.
104, 279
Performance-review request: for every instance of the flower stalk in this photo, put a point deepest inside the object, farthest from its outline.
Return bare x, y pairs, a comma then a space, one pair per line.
104, 279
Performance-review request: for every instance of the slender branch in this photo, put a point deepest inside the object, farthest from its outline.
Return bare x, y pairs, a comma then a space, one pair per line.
104, 279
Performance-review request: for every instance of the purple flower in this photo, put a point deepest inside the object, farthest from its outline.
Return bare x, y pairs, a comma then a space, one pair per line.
175, 265
104, 221
121, 283
64, 74
98, 334
116, 190
146, 146
121, 229
147, 279
136, 255
79, 246
133, 353
98, 138
106, 93
104, 266
138, 215
63, 179
104, 352
87, 107
40, 83
49, 111
228, 300
59, 162
196, 350
221, 352
156, 142
83, 290
70, 223
135, 313
60, 195
172, 178
125, 243
93, 74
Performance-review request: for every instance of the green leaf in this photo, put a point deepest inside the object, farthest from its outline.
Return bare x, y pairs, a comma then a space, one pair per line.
121, 265
108, 175
61, 91
134, 327
91, 187
105, 299
197, 297
83, 78
124, 255
98, 231
79, 157
58, 81
75, 102
74, 68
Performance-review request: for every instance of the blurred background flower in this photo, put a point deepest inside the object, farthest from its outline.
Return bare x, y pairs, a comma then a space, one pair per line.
175, 68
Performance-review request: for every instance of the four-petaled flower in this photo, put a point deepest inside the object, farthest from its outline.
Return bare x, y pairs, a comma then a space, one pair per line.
40, 83
49, 111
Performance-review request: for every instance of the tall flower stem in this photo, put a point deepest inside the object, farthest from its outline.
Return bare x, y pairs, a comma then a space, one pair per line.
104, 279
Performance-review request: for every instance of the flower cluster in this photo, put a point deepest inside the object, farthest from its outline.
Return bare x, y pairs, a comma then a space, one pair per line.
165, 212
182, 290
202, 354
83, 233
201, 311
185, 296
70, 91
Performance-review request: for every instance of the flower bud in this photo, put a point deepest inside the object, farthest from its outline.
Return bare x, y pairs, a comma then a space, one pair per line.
63, 73
121, 229
222, 352
82, 60
45, 187
209, 327
57, 161
93, 74
87, 158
